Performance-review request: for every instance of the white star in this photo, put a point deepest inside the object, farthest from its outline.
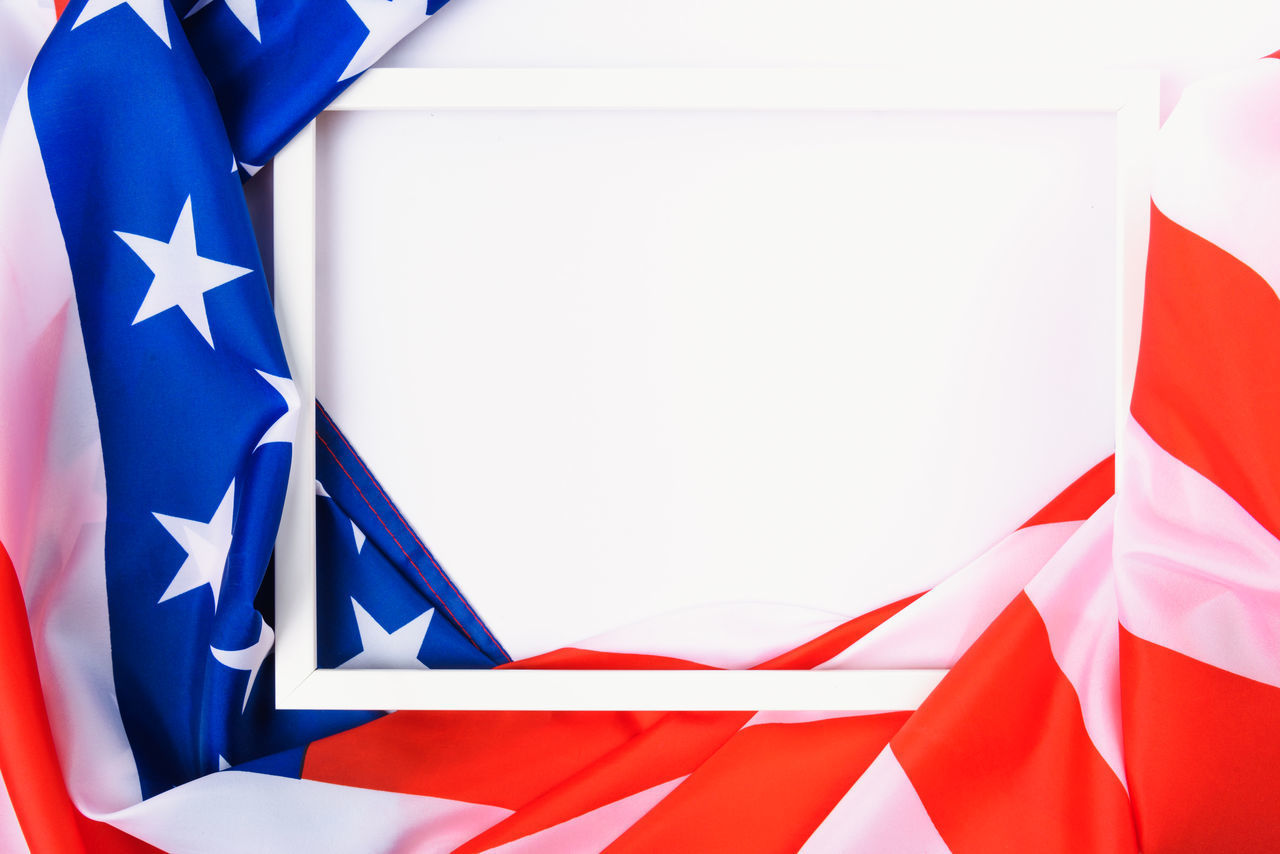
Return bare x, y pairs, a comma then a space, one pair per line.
181, 276
246, 12
207, 545
320, 491
150, 11
250, 168
223, 764
388, 21
250, 658
359, 535
286, 426
385, 650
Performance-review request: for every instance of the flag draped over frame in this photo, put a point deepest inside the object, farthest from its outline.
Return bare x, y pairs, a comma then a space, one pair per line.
1115, 683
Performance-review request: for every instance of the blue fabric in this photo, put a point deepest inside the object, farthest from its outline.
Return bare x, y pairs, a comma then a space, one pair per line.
268, 91
133, 140
394, 576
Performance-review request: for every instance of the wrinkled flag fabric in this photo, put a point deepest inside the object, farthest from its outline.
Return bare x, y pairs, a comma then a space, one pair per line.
1114, 683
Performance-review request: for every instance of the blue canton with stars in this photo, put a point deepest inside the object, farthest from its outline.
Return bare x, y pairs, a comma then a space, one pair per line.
148, 116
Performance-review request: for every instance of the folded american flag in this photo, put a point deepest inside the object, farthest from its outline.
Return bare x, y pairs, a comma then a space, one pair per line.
1115, 684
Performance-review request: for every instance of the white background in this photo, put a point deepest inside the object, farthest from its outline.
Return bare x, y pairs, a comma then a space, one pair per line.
616, 363
1184, 39
646, 367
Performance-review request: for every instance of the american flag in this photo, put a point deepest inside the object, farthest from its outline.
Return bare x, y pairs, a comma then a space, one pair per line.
1114, 684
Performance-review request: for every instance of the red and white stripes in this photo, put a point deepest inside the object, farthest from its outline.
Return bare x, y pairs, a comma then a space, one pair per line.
1115, 681
1198, 513
779, 782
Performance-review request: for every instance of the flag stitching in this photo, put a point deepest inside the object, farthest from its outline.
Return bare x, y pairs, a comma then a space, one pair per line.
466, 604
443, 604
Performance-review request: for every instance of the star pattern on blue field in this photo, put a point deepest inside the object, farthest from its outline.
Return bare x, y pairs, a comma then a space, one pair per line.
198, 439
384, 650
388, 21
285, 428
207, 545
181, 276
249, 659
152, 13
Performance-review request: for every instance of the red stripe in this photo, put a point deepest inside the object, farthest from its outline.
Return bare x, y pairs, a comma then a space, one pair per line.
1208, 364
551, 767
766, 790
1082, 498
501, 758
1000, 756
677, 745
572, 658
673, 747
827, 646
1202, 752
50, 821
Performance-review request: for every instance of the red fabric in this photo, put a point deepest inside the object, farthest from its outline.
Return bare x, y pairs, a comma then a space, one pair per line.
570, 763
832, 643
766, 790
1081, 499
501, 758
674, 746
572, 658
1202, 752
1000, 757
1208, 359
679, 744
28, 760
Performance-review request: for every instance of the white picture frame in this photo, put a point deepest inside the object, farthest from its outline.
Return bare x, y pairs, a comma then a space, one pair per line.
1131, 96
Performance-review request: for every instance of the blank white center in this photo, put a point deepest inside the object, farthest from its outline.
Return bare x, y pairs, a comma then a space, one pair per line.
612, 364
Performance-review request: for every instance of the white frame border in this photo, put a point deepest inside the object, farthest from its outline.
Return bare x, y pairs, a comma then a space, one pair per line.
1132, 96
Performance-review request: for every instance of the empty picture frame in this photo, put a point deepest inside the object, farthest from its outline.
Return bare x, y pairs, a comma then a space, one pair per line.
1126, 100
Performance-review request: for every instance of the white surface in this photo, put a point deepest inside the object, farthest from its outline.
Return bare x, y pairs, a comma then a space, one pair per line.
648, 360
294, 272
11, 837
599, 690
23, 28
1184, 39
880, 812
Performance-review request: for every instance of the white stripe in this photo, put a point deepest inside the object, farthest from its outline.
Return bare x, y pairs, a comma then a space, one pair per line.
11, 839
1076, 596
24, 26
936, 629
880, 814
592, 831
52, 486
241, 811
1217, 164
776, 717
1196, 573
